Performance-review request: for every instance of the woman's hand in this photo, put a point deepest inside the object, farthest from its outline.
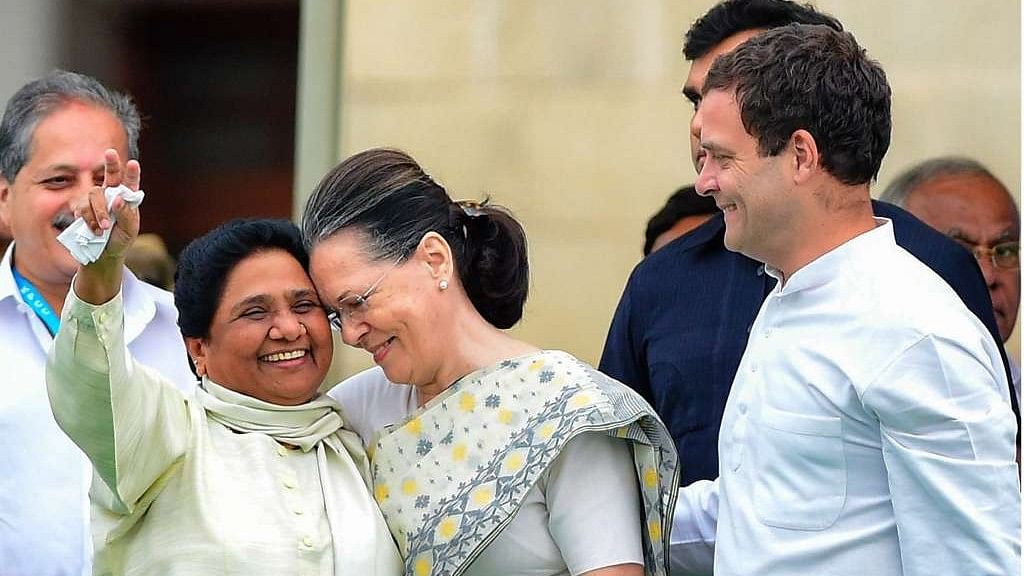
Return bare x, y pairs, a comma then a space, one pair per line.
100, 281
93, 207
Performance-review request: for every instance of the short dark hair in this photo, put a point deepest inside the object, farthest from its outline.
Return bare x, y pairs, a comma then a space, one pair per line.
816, 79
204, 265
35, 101
682, 203
733, 16
388, 198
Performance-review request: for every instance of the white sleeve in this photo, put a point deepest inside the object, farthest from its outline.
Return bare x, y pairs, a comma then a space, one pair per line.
692, 549
593, 502
369, 402
948, 444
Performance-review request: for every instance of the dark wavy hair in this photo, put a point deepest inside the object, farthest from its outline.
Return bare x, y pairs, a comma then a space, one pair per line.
204, 265
682, 203
733, 16
387, 197
816, 79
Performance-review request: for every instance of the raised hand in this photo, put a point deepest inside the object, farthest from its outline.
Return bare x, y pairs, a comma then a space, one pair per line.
93, 206
100, 281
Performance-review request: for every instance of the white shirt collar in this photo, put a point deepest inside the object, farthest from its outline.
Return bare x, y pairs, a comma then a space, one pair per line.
826, 267
7, 287
140, 304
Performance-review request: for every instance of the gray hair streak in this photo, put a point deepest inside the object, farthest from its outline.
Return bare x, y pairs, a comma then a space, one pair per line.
36, 100
899, 190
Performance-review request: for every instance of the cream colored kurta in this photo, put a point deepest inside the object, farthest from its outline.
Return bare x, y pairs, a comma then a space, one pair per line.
191, 495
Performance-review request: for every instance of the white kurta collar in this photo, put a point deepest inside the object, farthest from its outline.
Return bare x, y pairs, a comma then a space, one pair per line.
827, 267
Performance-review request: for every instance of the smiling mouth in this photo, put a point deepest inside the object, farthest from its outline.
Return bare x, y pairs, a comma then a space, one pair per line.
283, 356
381, 350
727, 207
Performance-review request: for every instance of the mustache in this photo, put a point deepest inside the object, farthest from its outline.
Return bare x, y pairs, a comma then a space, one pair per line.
62, 220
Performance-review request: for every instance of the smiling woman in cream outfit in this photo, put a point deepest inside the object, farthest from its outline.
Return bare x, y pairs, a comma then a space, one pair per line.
251, 475
498, 458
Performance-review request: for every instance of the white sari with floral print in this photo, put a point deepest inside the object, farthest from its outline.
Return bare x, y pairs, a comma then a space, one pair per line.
451, 477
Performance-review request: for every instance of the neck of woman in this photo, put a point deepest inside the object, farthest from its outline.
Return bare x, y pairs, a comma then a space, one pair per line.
474, 344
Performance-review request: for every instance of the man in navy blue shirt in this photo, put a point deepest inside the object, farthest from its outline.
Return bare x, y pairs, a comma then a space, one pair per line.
682, 323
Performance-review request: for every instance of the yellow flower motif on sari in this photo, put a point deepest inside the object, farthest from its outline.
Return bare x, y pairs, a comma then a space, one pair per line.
447, 528
654, 528
536, 365
467, 402
415, 426
381, 492
408, 487
513, 462
482, 496
547, 430
459, 452
579, 400
422, 567
505, 416
651, 478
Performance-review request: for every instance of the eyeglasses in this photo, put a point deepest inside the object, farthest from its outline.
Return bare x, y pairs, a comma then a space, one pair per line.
353, 308
1005, 255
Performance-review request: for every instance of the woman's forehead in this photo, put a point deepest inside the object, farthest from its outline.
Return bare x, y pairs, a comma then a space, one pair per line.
266, 272
346, 252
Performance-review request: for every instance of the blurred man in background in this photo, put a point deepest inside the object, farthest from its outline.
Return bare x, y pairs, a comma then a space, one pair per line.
683, 211
962, 199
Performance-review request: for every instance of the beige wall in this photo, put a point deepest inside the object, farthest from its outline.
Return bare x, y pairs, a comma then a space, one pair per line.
568, 112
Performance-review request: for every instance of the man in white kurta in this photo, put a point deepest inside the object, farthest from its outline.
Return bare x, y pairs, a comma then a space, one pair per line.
868, 430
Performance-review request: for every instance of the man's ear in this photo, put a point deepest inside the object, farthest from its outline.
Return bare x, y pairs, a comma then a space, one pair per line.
5, 201
805, 155
437, 254
197, 350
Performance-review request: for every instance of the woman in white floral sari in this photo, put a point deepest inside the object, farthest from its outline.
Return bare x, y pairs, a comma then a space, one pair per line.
493, 457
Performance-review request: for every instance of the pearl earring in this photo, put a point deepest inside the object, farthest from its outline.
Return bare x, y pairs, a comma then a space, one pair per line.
443, 284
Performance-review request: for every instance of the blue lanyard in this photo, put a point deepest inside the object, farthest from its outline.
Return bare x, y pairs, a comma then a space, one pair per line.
37, 303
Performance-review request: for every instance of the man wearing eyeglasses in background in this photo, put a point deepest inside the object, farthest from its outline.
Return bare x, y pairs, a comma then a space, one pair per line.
962, 199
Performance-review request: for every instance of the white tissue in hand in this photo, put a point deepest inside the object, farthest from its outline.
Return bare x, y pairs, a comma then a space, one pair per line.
85, 246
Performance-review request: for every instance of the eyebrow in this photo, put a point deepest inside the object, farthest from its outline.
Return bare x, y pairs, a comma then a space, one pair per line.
348, 294
691, 94
265, 299
303, 293
958, 234
249, 301
715, 148
70, 168
1007, 236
